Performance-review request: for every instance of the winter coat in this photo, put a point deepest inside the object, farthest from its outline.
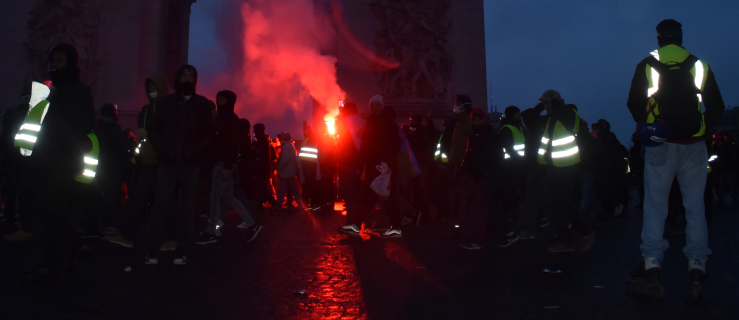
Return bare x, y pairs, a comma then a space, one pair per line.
62, 141
227, 143
288, 165
462, 131
380, 143
484, 154
146, 117
113, 149
183, 129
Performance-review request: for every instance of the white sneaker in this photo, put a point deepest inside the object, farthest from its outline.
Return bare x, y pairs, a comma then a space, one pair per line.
351, 230
219, 228
243, 226
651, 262
392, 233
152, 261
179, 261
697, 264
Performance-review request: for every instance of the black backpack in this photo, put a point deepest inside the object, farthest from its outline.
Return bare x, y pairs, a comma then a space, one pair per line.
677, 97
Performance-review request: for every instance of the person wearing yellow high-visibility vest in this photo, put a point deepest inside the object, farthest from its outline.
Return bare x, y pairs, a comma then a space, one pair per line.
670, 88
308, 156
514, 172
558, 151
57, 157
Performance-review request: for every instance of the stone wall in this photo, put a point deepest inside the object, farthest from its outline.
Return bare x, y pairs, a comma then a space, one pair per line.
418, 54
120, 44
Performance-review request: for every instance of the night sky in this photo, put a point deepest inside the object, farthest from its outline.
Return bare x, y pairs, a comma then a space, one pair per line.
587, 50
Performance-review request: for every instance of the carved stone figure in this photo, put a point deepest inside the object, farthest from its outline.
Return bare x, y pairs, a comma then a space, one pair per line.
64, 21
412, 33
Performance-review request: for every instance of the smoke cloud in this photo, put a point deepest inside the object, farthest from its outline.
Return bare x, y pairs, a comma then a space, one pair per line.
275, 56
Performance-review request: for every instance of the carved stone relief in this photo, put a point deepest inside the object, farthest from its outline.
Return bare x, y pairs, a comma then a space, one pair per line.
413, 36
75, 22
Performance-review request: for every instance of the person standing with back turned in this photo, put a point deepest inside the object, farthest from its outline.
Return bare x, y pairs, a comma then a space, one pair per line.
665, 99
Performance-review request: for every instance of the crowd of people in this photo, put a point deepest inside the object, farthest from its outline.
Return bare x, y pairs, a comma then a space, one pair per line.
476, 179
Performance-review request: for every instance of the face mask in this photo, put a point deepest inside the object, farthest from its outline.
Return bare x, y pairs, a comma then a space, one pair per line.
153, 95
187, 97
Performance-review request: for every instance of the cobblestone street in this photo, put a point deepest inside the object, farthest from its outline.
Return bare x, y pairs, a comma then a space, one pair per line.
421, 276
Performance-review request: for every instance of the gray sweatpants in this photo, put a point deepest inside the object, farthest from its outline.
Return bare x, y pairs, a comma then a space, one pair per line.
223, 190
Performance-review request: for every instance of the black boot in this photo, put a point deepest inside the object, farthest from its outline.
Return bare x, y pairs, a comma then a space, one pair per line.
698, 276
645, 282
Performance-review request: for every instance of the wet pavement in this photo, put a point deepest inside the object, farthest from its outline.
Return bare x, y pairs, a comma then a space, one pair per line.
300, 268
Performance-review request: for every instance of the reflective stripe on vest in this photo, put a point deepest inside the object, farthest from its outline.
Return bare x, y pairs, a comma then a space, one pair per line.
518, 141
438, 154
307, 153
672, 53
561, 145
91, 161
28, 133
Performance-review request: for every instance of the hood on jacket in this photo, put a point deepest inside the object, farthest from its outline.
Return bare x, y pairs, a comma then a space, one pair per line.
71, 72
228, 108
178, 76
160, 81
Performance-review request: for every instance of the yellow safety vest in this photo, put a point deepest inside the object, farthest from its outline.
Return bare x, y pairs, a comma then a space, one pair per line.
26, 137
308, 153
518, 141
561, 145
91, 161
438, 154
674, 54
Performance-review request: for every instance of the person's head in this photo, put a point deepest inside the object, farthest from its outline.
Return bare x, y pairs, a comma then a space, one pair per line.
225, 101
376, 105
109, 110
349, 109
63, 64
151, 87
259, 129
307, 131
595, 130
604, 125
416, 121
550, 99
479, 120
462, 103
186, 80
669, 32
513, 112
285, 136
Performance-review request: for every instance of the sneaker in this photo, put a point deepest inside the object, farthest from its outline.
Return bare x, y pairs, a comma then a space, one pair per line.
508, 240
392, 233
697, 269
471, 246
151, 260
523, 235
206, 238
587, 242
119, 240
350, 230
111, 230
253, 232
219, 228
169, 245
560, 248
19, 235
645, 279
180, 261
617, 210
543, 222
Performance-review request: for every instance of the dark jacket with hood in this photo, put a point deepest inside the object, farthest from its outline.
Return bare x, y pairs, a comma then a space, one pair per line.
506, 138
380, 141
12, 121
537, 123
182, 128
113, 149
462, 131
484, 152
63, 139
227, 123
146, 116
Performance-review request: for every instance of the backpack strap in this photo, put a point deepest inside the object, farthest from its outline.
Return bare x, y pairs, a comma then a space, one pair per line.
663, 68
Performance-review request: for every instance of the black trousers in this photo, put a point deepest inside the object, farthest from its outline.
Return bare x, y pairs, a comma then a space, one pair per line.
54, 194
560, 184
142, 193
168, 177
368, 199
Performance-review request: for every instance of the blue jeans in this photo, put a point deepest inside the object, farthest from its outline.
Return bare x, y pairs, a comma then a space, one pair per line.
662, 164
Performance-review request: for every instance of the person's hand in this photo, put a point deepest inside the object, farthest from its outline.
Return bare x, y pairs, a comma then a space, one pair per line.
225, 174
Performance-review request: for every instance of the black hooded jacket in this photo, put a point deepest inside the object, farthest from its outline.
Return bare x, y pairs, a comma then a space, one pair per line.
227, 128
381, 141
182, 128
62, 141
